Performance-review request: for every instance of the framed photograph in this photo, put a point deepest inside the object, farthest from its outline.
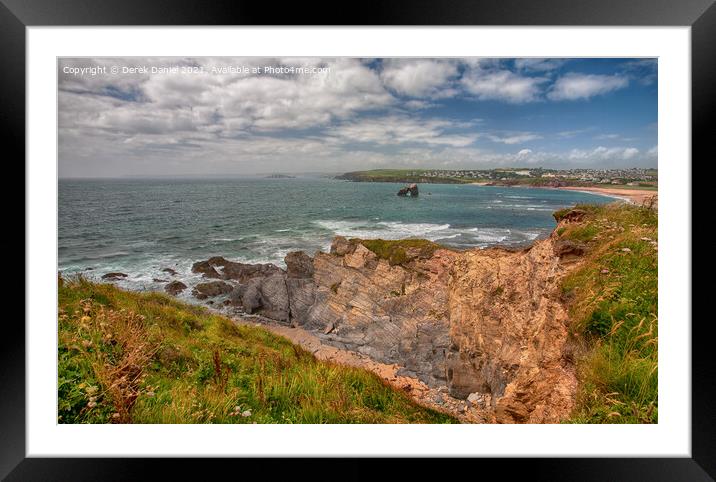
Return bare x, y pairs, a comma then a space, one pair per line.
408, 231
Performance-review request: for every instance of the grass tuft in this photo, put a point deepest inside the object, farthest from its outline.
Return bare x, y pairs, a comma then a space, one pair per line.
400, 251
613, 299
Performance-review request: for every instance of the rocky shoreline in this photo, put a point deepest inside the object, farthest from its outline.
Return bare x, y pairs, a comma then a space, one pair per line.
481, 333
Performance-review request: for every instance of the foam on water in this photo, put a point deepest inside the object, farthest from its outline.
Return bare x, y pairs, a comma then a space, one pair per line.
172, 224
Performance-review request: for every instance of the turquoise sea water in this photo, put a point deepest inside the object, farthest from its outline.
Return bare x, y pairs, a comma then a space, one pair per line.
141, 226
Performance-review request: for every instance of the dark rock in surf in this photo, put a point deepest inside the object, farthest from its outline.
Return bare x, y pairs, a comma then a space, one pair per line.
211, 289
175, 287
221, 268
242, 272
205, 268
114, 276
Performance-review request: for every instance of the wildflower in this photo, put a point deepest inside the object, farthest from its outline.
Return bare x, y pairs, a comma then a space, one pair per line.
115, 415
150, 394
85, 319
246, 413
92, 404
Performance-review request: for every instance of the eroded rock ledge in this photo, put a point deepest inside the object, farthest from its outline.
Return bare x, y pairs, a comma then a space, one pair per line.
488, 324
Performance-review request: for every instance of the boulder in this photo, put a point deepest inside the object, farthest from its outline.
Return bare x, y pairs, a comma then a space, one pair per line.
205, 268
251, 295
301, 295
360, 257
299, 265
235, 297
211, 289
341, 246
221, 268
170, 271
242, 272
267, 296
175, 287
114, 276
274, 297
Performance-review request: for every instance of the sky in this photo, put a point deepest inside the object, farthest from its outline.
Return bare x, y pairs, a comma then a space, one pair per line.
234, 116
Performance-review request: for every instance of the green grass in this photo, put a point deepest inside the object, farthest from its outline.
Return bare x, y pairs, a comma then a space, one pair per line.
147, 358
613, 299
400, 251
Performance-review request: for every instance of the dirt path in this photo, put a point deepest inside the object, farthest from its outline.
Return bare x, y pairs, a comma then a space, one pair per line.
437, 399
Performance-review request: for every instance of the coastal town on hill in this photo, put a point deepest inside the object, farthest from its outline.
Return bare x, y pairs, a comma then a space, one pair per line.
635, 176
636, 185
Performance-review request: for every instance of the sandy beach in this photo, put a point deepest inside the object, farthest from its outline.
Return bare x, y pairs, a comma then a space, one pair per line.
635, 196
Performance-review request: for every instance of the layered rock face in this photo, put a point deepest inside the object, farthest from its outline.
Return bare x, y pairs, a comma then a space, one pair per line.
393, 314
488, 324
508, 334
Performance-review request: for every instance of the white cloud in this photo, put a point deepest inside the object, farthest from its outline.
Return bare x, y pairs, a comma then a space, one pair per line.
234, 102
572, 133
538, 65
605, 153
607, 136
503, 85
419, 78
574, 86
354, 117
514, 137
524, 153
414, 104
394, 130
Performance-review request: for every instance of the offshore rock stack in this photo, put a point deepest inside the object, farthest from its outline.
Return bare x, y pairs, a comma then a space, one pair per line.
411, 190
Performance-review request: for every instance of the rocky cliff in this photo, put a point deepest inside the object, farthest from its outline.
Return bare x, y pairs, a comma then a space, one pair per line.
488, 324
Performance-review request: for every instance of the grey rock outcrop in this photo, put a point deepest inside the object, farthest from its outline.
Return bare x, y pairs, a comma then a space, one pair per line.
266, 296
211, 289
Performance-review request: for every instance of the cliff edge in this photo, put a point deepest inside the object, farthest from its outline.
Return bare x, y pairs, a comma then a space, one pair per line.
488, 324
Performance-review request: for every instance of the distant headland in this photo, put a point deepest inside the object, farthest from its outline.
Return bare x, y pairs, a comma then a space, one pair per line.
632, 184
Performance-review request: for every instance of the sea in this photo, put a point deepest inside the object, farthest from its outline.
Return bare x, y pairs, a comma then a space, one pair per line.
141, 226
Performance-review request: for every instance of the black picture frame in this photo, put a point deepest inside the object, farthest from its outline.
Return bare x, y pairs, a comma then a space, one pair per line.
700, 15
